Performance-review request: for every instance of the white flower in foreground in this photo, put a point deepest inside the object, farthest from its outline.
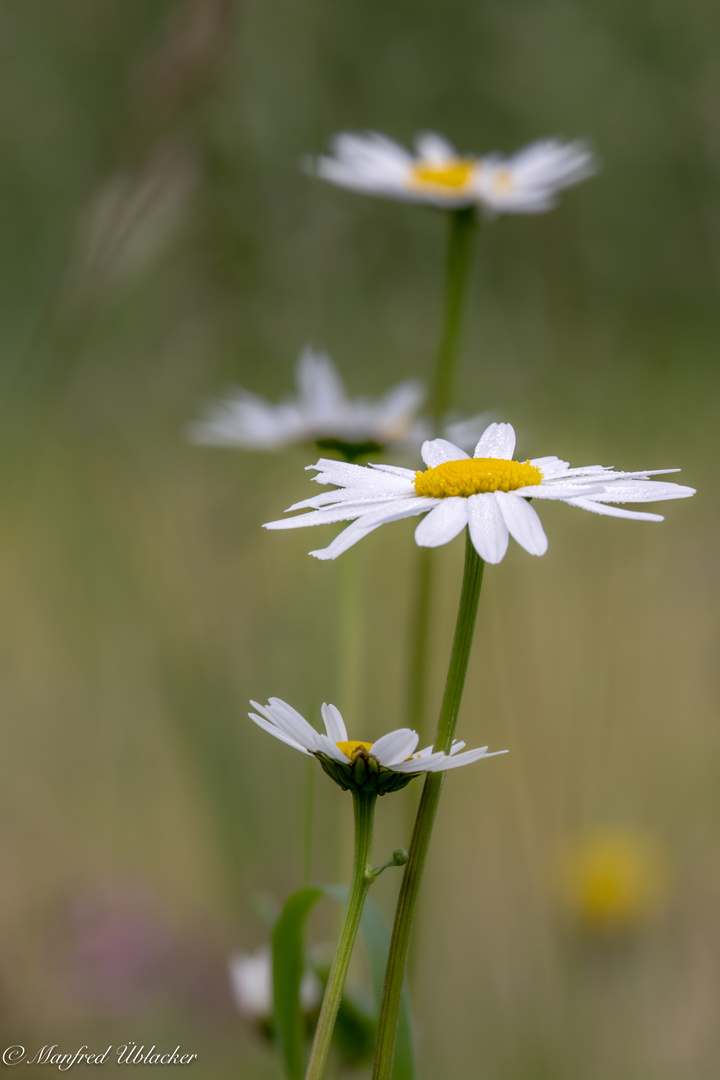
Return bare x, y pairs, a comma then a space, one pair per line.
385, 765
488, 492
251, 983
321, 413
527, 182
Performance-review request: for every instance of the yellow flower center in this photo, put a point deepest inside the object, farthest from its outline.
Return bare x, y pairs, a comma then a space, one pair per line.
455, 173
475, 476
352, 749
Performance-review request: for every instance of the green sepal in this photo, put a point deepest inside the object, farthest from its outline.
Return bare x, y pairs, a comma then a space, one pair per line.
365, 774
350, 451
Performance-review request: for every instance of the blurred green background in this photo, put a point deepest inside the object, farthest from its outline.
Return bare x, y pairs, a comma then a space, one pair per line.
160, 244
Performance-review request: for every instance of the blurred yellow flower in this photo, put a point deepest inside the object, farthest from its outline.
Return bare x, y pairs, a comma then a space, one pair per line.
613, 880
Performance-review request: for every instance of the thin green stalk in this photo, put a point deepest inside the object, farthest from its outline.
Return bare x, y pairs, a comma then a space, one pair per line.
397, 959
462, 228
362, 878
463, 225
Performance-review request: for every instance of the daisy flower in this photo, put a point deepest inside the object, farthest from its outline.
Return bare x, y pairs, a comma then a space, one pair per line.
490, 493
322, 412
527, 182
374, 768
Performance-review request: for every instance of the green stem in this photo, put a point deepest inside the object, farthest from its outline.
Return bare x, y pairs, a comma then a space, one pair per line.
463, 224
462, 228
397, 959
362, 878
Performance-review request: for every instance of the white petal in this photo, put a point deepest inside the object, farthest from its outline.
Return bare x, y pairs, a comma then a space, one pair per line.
523, 522
561, 490
396, 746
272, 729
438, 451
394, 470
443, 523
334, 723
320, 389
327, 747
643, 491
612, 511
434, 148
465, 759
371, 521
290, 721
497, 441
488, 531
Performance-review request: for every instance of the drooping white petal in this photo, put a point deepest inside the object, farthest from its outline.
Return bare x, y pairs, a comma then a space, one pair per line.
612, 511
395, 746
443, 523
488, 531
290, 721
371, 521
438, 451
522, 521
497, 441
334, 723
273, 729
467, 758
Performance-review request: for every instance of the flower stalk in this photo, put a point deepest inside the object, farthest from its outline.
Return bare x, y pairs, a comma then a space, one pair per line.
362, 879
407, 900
463, 226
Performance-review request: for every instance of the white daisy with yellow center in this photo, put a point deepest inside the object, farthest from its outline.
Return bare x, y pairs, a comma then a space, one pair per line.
322, 412
387, 764
527, 182
489, 493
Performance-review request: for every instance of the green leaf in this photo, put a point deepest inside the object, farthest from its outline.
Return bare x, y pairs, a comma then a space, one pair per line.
288, 964
288, 967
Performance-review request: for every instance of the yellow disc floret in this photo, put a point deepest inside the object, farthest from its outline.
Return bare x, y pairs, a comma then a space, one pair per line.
352, 749
475, 476
455, 173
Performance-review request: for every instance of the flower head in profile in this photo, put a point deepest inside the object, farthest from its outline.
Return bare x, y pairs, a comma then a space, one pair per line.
527, 182
387, 764
320, 413
489, 493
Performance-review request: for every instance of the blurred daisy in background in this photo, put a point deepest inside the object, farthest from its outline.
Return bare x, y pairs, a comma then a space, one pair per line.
385, 765
322, 413
489, 493
612, 880
527, 182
